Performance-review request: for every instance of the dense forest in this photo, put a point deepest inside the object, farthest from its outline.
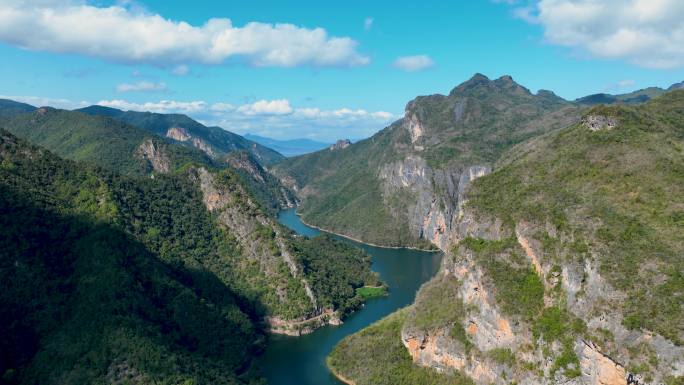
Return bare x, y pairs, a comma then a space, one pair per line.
111, 278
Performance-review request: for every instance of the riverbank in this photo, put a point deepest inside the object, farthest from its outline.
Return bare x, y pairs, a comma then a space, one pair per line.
437, 250
341, 377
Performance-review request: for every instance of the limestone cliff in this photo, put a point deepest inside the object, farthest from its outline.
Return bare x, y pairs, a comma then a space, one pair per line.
154, 155
538, 298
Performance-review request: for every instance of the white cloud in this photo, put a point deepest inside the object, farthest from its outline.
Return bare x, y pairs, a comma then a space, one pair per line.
267, 107
142, 86
272, 118
648, 33
181, 70
626, 83
163, 106
40, 101
126, 34
413, 63
368, 23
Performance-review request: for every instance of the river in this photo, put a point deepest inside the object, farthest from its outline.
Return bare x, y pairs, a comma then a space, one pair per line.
301, 360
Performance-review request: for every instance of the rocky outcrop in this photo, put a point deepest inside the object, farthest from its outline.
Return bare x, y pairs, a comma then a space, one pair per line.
151, 152
340, 145
182, 135
599, 122
597, 368
435, 212
239, 214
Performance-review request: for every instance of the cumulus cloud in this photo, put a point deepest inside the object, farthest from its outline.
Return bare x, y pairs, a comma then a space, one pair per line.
273, 118
40, 101
413, 63
126, 34
267, 107
648, 33
163, 106
143, 86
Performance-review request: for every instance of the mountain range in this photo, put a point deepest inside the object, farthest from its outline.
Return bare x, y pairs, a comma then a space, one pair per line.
144, 248
290, 147
128, 256
561, 225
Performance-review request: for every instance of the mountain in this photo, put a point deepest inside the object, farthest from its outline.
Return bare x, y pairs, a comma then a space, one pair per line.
290, 147
130, 150
564, 266
101, 140
173, 278
214, 141
635, 97
401, 186
676, 86
9, 108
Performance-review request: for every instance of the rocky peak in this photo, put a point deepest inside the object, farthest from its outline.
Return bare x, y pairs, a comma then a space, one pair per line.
480, 82
340, 144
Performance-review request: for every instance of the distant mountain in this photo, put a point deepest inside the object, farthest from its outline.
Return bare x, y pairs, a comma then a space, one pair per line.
636, 97
676, 86
400, 186
291, 147
214, 141
9, 108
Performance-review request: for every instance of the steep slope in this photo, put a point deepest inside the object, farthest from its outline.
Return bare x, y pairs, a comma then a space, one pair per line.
566, 266
214, 141
131, 150
85, 302
401, 186
198, 230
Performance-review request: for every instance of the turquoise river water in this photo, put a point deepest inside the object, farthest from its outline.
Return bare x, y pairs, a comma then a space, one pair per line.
301, 360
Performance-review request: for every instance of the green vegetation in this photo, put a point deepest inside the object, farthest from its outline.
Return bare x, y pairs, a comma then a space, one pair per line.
617, 192
368, 292
519, 290
222, 142
92, 294
502, 356
110, 278
335, 270
377, 356
98, 140
437, 305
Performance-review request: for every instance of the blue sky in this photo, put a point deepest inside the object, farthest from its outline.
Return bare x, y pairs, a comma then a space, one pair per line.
354, 74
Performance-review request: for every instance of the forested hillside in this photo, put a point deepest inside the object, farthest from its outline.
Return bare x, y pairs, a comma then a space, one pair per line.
214, 141
111, 278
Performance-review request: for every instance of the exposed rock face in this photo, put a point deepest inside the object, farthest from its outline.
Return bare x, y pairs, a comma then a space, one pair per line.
243, 222
413, 125
597, 368
178, 133
181, 134
158, 160
437, 196
599, 122
340, 145
586, 292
